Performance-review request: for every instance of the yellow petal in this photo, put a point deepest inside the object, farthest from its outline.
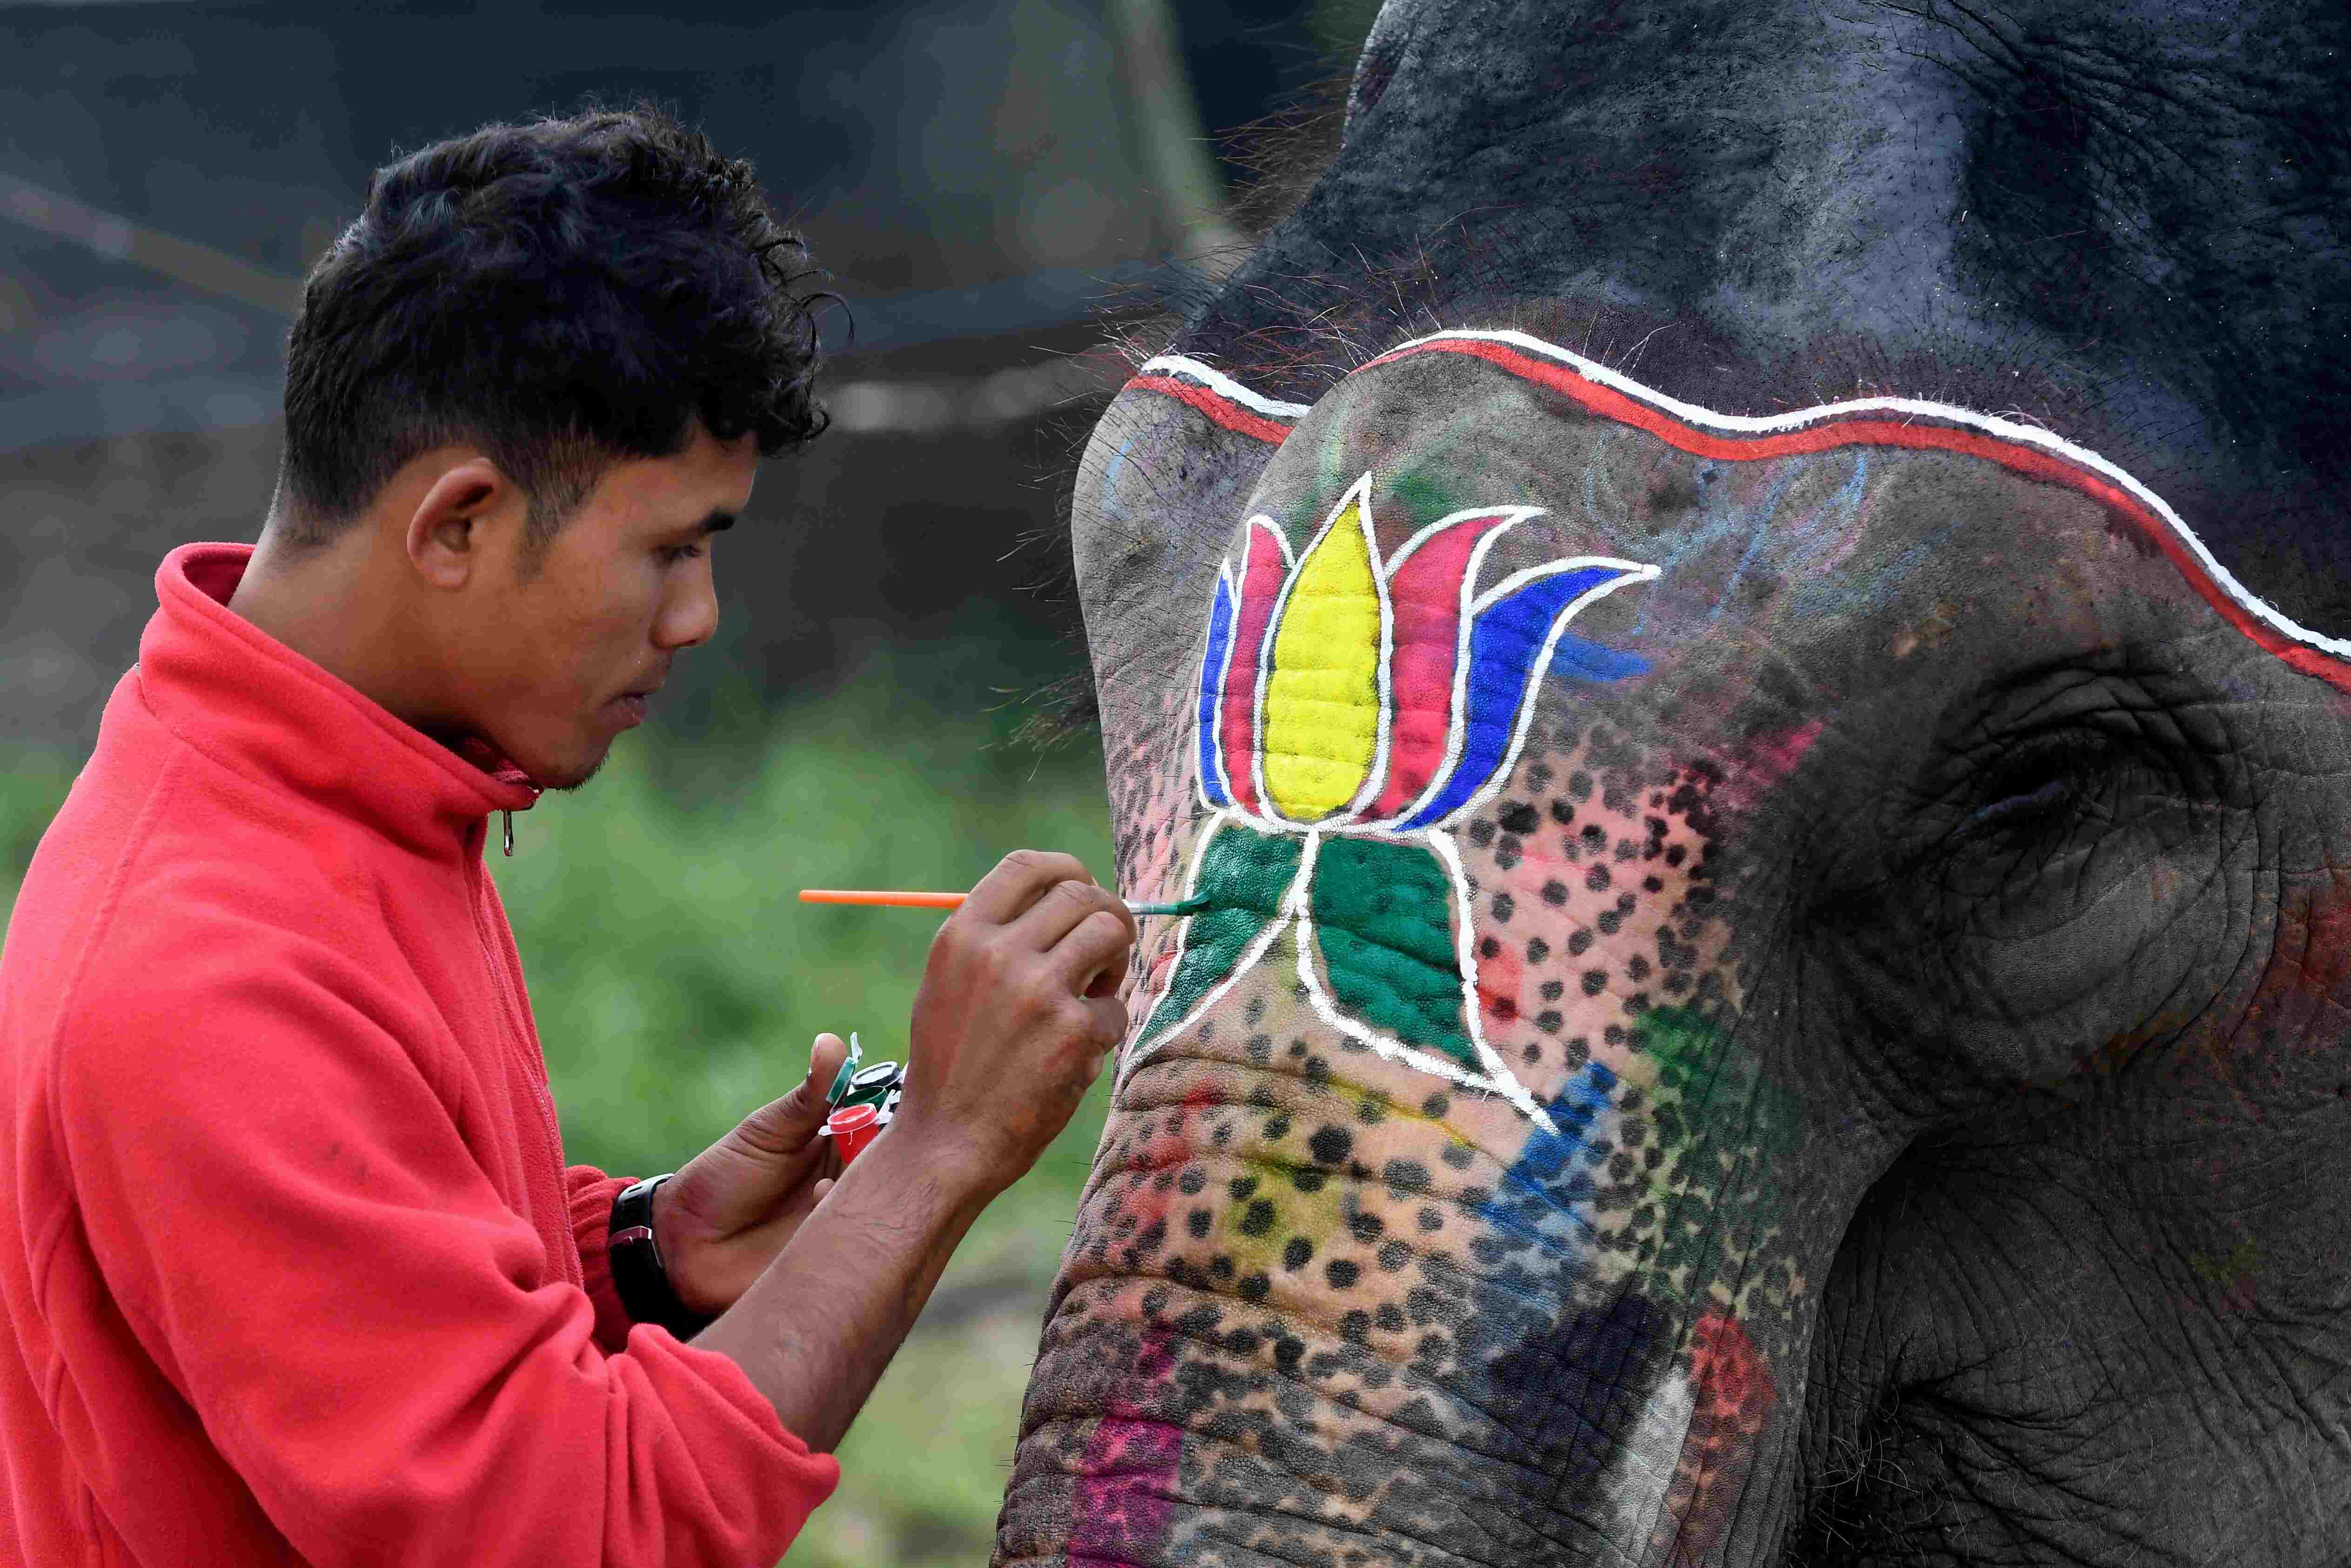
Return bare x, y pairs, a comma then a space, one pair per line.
1323, 698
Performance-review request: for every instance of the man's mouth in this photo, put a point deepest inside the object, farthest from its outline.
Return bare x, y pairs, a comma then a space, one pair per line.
633, 704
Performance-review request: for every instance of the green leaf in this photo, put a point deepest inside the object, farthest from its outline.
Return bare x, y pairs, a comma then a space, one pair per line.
1383, 923
1244, 878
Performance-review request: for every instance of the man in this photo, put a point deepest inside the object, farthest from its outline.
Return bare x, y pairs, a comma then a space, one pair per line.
294, 1271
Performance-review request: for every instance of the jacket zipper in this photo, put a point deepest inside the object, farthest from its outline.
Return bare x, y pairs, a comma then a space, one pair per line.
520, 1037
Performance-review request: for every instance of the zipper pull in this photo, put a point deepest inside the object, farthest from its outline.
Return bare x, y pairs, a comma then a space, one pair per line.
509, 816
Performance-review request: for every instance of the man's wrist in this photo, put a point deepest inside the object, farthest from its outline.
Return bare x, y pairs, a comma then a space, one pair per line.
925, 1184
967, 1173
665, 1226
638, 1256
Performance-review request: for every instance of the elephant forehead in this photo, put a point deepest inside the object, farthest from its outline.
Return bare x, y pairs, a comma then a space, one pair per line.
1849, 499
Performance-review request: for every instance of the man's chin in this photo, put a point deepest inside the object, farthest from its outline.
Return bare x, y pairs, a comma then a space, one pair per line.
570, 771
565, 770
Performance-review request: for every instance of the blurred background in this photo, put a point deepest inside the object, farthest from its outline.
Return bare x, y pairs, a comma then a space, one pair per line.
998, 188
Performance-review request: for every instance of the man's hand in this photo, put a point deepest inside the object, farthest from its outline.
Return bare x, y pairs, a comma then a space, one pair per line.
723, 1219
1017, 1009
1018, 1006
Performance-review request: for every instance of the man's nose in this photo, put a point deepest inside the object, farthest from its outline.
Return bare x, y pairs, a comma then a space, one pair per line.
689, 615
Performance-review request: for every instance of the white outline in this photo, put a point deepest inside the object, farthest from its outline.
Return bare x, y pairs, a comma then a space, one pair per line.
1404, 551
1218, 382
1908, 408
1465, 946
1634, 572
1183, 937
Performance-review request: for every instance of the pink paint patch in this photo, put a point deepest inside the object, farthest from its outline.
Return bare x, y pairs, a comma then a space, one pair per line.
1124, 1498
1731, 1392
1427, 590
1765, 763
1264, 565
1501, 977
1121, 1507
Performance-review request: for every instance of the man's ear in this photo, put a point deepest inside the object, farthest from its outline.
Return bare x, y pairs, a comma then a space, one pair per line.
459, 514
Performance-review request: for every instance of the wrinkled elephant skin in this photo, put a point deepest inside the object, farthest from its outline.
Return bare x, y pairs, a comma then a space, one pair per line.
1736, 630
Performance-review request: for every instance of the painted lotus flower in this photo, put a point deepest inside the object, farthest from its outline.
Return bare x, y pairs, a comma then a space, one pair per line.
1351, 709
1339, 690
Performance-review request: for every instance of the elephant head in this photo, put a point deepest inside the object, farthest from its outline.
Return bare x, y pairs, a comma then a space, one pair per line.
1734, 638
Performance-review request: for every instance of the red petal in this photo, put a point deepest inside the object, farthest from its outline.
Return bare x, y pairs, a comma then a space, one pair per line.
1426, 591
1264, 566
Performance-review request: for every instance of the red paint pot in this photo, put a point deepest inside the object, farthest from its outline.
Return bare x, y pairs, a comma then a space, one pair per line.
852, 1128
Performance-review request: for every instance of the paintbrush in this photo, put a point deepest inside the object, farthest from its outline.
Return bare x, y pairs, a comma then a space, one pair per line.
889, 899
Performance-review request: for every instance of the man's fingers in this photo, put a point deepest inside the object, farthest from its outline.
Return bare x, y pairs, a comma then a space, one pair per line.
1062, 909
1015, 883
1109, 1024
1095, 946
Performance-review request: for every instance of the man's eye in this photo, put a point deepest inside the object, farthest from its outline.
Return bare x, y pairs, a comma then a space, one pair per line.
676, 553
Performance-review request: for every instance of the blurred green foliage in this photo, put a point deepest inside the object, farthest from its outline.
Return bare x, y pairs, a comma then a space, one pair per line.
678, 983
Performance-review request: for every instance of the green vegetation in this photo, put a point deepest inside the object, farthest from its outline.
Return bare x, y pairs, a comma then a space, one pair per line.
678, 982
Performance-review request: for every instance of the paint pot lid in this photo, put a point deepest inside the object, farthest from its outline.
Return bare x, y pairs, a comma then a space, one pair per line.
842, 1080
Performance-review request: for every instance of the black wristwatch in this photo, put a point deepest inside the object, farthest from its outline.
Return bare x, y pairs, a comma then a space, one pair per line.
637, 1271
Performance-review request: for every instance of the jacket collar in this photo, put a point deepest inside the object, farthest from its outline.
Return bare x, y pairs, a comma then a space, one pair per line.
247, 701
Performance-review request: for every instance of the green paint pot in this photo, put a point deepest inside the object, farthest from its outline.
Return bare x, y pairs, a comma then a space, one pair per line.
872, 1085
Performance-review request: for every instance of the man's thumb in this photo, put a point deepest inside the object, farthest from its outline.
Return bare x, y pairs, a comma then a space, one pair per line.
784, 1125
808, 1100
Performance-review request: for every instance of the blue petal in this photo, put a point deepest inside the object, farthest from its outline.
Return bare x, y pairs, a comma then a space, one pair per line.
1580, 659
1212, 691
1509, 646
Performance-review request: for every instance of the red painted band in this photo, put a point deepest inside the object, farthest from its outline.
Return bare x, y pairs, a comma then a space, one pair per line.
1861, 431
1829, 435
1222, 410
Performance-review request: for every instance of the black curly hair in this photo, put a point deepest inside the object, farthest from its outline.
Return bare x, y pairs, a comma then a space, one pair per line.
564, 294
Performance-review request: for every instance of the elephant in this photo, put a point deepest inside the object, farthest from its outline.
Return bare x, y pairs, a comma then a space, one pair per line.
1732, 642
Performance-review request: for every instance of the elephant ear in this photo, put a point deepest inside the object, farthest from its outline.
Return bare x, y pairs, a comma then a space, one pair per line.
1245, 878
1383, 954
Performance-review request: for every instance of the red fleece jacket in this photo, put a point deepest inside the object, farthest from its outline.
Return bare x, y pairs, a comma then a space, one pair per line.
294, 1269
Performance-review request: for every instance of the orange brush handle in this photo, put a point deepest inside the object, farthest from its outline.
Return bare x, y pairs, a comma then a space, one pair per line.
912, 900
882, 897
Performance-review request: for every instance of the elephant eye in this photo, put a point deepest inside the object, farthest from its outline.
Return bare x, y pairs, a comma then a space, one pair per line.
2010, 810
2042, 786
2052, 868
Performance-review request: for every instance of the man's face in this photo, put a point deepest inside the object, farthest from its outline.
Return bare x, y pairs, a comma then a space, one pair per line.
567, 640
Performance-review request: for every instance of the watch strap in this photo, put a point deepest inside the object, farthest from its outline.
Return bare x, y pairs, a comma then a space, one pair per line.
639, 1277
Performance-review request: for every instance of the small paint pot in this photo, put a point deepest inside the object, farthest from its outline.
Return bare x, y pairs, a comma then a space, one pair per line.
872, 1085
852, 1127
